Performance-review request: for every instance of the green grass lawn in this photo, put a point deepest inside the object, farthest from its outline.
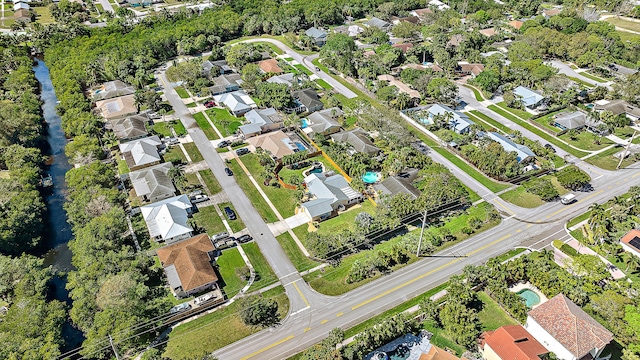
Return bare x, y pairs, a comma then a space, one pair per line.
624, 132
625, 24
520, 113
441, 338
299, 260
216, 330
193, 152
476, 93
228, 262
325, 85
182, 92
210, 181
264, 274
208, 219
480, 117
593, 77
122, 167
253, 194
544, 121
519, 196
191, 104
578, 219
492, 316
303, 69
345, 220
235, 225
205, 126
606, 160
586, 140
580, 81
226, 123
175, 155
627, 36
44, 15
509, 254
164, 128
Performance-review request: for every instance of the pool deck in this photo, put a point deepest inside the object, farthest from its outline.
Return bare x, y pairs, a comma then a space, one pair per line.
527, 286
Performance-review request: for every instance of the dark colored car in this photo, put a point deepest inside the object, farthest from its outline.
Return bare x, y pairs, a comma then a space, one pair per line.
244, 238
228, 171
223, 143
242, 151
230, 213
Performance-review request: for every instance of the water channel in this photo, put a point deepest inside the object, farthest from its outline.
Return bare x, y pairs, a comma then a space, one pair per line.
57, 230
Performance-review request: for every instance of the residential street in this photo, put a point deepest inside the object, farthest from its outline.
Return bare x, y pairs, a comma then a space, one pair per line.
567, 70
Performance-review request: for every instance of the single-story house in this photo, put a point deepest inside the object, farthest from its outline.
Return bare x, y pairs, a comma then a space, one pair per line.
277, 143
511, 342
570, 120
489, 32
437, 353
631, 242
516, 24
270, 66
329, 194
209, 65
566, 330
358, 139
167, 220
141, 153
459, 122
323, 122
618, 107
547, 13
524, 154
225, 83
465, 68
130, 128
528, 97
187, 265
21, 6
413, 19
404, 47
455, 40
238, 102
402, 87
260, 121
22, 15
437, 4
421, 13
118, 107
401, 183
380, 24
318, 35
351, 30
153, 183
307, 100
287, 78
112, 89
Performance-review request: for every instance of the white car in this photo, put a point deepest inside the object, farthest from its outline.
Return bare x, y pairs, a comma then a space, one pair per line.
199, 198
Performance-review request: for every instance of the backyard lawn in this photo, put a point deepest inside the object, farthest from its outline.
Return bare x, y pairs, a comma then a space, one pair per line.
299, 260
228, 262
544, 121
520, 113
235, 225
208, 219
226, 123
492, 316
210, 181
193, 152
264, 274
205, 126
43, 14
256, 199
182, 92
216, 330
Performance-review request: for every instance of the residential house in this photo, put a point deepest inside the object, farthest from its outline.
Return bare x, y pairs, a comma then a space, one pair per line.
323, 122
130, 128
225, 83
464, 68
459, 122
413, 19
153, 183
118, 107
21, 6
618, 107
22, 15
489, 32
437, 353
221, 65
167, 220
380, 24
287, 78
528, 97
141, 153
437, 4
421, 13
401, 183
260, 121
575, 120
523, 153
187, 265
631, 242
359, 141
319, 36
238, 102
270, 66
306, 100
455, 40
547, 13
277, 143
516, 24
112, 89
566, 330
512, 342
328, 193
403, 46
402, 87
351, 30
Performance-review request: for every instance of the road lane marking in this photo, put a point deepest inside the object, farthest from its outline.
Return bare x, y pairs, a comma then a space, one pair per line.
638, 174
339, 314
486, 246
307, 329
301, 295
301, 310
530, 225
268, 347
503, 206
324, 321
569, 207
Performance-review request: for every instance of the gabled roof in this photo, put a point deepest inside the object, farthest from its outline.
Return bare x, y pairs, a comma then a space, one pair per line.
421, 13
522, 151
168, 218
357, 138
551, 12
402, 87
459, 120
410, 19
318, 207
475, 69
378, 23
578, 332
333, 188
117, 107
259, 118
141, 151
438, 4
404, 46
618, 107
308, 97
287, 79
112, 89
436, 353
224, 82
488, 32
514, 342
154, 181
324, 120
190, 261
277, 143
129, 127
21, 6
527, 96
270, 66
571, 120
236, 101
516, 24
455, 40
400, 184
316, 33
632, 239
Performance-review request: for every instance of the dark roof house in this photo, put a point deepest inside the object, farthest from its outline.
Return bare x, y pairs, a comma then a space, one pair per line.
323, 122
618, 107
153, 183
401, 183
380, 24
318, 35
225, 83
358, 139
130, 128
307, 100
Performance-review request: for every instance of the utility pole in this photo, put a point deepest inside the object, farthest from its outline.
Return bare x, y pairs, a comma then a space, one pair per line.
115, 351
626, 150
424, 220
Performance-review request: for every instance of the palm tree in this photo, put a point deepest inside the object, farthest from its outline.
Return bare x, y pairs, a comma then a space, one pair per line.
402, 101
176, 174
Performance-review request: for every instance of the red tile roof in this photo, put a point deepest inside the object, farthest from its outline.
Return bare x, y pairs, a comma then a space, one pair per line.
516, 24
630, 236
578, 332
514, 342
191, 261
404, 47
436, 353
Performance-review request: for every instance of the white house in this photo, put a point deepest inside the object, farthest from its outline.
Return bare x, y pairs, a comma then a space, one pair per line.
566, 330
458, 121
328, 193
528, 97
238, 102
167, 219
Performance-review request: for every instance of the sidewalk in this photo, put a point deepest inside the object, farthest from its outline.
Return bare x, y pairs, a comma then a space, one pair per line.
582, 249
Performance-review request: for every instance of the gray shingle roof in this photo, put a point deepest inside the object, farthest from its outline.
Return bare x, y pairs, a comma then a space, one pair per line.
153, 182
357, 138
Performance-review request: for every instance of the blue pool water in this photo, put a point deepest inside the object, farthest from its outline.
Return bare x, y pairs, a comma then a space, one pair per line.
530, 297
370, 177
590, 106
305, 123
315, 171
300, 146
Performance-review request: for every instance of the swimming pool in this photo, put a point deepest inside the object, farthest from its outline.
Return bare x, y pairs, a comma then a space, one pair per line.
305, 123
529, 296
371, 177
300, 146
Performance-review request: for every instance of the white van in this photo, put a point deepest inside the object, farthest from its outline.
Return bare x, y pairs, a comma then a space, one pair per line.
568, 199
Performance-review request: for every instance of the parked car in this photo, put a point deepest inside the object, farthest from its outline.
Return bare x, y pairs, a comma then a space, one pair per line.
225, 244
223, 143
230, 213
172, 141
209, 104
228, 171
195, 193
180, 308
550, 147
242, 151
199, 198
244, 238
219, 236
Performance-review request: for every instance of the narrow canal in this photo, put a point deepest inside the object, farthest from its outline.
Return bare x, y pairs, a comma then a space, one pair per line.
57, 230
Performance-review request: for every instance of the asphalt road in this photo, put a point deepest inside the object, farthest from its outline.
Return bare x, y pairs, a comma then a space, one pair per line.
567, 70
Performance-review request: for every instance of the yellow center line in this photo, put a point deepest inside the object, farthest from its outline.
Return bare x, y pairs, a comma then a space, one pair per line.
307, 329
339, 314
638, 174
268, 347
300, 292
324, 321
503, 206
423, 275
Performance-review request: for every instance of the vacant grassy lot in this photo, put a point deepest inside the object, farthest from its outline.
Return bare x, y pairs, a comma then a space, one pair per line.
520, 113
228, 262
264, 274
492, 316
210, 181
247, 186
193, 152
208, 219
294, 253
175, 155
519, 196
606, 160
226, 123
205, 126
587, 140
164, 128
